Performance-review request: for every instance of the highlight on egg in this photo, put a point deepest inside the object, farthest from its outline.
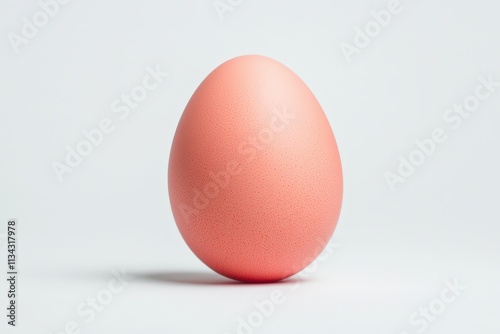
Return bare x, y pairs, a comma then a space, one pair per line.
254, 176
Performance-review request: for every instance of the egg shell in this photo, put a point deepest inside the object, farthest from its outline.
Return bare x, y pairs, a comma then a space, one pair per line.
255, 178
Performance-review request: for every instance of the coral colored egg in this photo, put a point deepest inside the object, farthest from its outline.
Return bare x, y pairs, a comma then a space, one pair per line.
255, 178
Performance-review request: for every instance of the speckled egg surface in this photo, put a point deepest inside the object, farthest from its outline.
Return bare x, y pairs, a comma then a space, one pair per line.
254, 177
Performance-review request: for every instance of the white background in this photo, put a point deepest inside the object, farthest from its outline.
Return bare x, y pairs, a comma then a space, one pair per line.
396, 248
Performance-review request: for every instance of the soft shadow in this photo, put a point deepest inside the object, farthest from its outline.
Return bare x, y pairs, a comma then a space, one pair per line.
196, 278
179, 277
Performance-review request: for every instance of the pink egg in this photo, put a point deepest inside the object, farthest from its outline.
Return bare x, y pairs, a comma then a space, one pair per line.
255, 179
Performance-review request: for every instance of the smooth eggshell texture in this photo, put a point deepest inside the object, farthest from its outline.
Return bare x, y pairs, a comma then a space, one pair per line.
255, 178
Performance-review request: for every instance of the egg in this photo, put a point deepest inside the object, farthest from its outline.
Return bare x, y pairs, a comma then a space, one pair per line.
254, 176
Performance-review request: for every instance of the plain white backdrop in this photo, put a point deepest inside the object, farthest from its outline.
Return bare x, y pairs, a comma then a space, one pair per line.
397, 247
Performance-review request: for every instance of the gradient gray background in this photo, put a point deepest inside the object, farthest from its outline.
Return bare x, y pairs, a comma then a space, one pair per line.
395, 248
